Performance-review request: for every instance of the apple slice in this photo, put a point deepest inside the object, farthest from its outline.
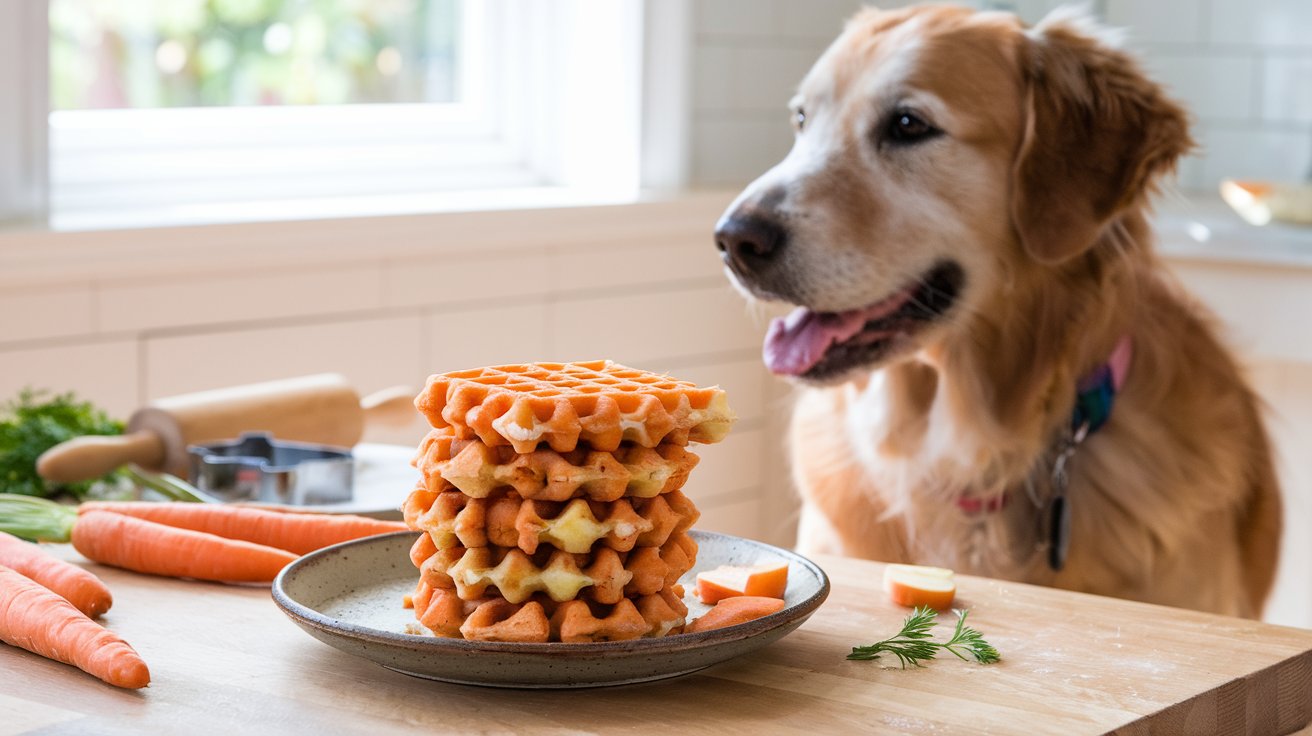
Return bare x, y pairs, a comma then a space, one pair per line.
918, 585
768, 580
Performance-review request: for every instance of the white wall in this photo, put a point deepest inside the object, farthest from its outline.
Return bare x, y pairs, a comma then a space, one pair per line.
1243, 67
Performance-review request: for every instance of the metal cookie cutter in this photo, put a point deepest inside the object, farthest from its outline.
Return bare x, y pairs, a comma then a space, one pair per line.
257, 467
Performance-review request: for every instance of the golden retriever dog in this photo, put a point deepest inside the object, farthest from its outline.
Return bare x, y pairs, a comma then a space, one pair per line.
996, 373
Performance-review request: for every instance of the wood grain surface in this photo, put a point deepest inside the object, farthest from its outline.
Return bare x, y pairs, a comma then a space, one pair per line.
225, 660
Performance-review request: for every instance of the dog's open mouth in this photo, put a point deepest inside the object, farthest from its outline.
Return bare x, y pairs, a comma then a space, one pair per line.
820, 345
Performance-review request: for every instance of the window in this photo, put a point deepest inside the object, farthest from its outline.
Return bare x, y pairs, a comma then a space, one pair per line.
168, 111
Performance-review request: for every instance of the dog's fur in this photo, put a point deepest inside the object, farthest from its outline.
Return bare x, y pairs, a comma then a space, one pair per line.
1052, 140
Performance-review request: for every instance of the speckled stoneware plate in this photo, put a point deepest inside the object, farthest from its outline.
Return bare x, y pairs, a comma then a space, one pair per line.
349, 596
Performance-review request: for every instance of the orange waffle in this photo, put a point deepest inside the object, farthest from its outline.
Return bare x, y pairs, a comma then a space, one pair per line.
453, 519
600, 403
604, 576
547, 475
540, 619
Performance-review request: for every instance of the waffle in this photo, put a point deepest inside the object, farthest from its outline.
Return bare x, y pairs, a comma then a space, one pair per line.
478, 470
453, 519
541, 619
600, 403
604, 576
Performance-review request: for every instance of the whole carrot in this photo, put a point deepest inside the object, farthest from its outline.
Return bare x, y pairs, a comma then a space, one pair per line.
42, 622
295, 532
144, 546
77, 586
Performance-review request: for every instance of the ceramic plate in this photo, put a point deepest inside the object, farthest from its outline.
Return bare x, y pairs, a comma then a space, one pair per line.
349, 596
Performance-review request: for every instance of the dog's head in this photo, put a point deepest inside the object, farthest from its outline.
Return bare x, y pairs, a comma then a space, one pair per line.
937, 150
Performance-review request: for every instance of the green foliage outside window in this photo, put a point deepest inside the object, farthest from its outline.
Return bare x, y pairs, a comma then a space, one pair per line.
192, 53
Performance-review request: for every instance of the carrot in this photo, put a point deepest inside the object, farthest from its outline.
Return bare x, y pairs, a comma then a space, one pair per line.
734, 611
77, 586
144, 546
767, 579
42, 622
295, 532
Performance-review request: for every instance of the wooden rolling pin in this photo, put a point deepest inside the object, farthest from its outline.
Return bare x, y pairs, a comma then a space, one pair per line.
322, 409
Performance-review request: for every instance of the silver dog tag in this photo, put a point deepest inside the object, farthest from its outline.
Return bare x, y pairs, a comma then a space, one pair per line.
1059, 508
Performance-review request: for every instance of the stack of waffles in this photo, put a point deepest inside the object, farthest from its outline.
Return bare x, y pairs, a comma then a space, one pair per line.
550, 501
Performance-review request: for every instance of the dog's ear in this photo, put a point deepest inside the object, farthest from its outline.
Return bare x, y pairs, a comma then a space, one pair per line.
1097, 135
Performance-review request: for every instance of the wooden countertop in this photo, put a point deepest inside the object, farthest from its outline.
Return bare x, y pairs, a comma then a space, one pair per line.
225, 660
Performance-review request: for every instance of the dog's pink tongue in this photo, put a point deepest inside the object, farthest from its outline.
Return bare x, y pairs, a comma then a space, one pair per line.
794, 344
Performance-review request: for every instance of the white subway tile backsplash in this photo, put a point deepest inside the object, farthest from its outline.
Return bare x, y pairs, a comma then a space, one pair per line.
745, 78
1287, 88
460, 279
497, 336
727, 466
644, 329
766, 78
1254, 153
713, 76
1159, 21
1212, 86
144, 305
587, 269
28, 315
371, 353
740, 518
732, 152
102, 372
1231, 62
1261, 22
816, 18
735, 17
1030, 11
1189, 171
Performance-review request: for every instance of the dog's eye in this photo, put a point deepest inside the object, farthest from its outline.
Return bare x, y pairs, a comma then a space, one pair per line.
906, 127
799, 119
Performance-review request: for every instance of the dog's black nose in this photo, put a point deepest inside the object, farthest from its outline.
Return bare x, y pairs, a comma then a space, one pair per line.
748, 241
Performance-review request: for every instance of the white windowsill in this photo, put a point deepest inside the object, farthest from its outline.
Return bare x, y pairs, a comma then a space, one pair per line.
324, 208
283, 235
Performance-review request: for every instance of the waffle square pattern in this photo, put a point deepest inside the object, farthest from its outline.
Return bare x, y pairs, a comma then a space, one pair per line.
599, 403
546, 475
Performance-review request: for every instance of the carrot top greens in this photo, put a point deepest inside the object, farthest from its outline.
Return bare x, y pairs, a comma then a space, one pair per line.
33, 423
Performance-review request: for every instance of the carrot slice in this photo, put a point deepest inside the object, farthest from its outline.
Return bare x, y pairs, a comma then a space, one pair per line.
736, 610
145, 546
295, 532
726, 581
44, 623
77, 586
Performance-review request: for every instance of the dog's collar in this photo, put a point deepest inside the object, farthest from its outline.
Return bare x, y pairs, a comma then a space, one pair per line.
1096, 392
1094, 397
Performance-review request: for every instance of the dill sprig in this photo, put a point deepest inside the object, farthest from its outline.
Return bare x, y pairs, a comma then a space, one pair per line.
972, 641
912, 644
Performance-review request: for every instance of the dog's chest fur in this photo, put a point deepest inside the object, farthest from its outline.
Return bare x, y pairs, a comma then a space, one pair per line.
909, 448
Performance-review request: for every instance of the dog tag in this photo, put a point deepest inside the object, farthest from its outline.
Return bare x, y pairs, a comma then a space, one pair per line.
1059, 532
1059, 508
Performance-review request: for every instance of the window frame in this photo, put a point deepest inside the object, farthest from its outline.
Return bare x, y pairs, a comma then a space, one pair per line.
546, 148
24, 70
